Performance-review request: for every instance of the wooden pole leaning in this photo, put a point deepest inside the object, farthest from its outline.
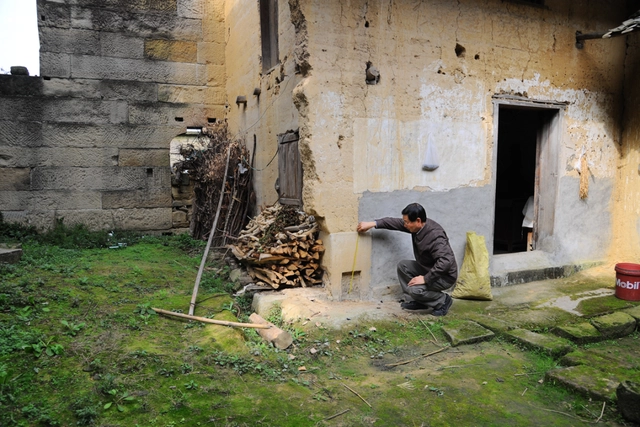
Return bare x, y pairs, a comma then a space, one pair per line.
192, 306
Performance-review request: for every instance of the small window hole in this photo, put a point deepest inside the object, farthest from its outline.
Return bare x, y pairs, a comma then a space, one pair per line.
460, 51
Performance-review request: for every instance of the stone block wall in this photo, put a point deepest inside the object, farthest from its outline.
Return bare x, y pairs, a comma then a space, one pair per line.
88, 140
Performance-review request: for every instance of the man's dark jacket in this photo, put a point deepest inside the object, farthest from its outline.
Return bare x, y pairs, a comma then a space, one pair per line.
430, 248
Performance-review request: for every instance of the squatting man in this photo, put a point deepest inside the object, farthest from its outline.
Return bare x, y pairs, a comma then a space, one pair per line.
434, 269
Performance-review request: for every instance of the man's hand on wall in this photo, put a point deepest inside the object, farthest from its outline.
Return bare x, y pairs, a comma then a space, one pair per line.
365, 226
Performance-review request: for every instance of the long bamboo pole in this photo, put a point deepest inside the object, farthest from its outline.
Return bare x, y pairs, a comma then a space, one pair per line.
192, 306
215, 322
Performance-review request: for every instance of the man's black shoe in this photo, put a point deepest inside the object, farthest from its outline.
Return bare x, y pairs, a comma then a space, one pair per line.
415, 306
412, 305
442, 311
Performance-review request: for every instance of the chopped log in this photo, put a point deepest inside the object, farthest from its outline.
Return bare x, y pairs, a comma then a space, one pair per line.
281, 339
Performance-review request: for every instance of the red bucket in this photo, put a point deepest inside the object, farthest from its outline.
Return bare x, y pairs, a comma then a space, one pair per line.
628, 281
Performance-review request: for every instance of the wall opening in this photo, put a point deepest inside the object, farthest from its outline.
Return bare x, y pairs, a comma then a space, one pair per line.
182, 194
289, 184
269, 33
526, 181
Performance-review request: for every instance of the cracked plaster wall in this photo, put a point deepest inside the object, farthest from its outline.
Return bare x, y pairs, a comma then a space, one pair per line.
272, 112
440, 64
626, 199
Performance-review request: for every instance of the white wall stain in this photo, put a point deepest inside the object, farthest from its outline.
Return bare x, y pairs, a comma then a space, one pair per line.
389, 153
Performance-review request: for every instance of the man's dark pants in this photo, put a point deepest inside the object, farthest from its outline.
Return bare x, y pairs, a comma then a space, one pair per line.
429, 295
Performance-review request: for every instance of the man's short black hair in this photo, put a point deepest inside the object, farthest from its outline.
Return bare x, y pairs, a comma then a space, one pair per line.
414, 211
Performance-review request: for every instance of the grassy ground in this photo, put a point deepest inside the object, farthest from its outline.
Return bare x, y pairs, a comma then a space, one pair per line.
80, 345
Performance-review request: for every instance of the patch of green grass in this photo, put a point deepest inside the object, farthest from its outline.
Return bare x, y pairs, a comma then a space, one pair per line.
118, 363
602, 305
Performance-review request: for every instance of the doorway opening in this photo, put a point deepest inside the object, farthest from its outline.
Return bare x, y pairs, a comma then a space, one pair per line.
182, 186
523, 140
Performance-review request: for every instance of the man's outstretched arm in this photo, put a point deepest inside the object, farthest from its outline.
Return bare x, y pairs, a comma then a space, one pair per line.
365, 226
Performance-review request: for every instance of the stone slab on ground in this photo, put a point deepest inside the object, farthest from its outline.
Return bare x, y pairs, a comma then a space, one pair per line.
536, 318
554, 346
615, 325
466, 332
10, 256
586, 380
628, 394
494, 324
606, 358
580, 333
633, 312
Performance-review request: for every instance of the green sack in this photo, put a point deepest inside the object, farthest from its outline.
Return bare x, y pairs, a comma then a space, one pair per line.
474, 281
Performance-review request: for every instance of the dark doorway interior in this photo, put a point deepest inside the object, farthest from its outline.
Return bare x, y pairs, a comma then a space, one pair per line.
518, 131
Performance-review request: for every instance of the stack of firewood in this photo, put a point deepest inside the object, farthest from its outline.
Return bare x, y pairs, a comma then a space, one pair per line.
280, 248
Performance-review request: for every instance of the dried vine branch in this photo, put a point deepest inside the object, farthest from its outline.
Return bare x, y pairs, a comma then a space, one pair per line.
206, 168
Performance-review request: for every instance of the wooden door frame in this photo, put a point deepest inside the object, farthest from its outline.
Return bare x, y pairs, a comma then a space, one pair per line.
548, 148
289, 169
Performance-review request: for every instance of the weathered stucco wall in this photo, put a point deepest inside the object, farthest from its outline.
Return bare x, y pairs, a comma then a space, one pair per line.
272, 111
626, 200
441, 65
89, 141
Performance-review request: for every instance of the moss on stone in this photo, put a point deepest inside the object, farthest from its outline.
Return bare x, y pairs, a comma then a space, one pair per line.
554, 346
586, 380
580, 333
467, 332
601, 305
614, 325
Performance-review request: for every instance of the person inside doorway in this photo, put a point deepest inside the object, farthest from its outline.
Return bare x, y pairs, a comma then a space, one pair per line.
434, 269
527, 222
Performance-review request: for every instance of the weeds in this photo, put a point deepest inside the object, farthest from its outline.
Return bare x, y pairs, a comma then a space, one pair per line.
97, 302
45, 346
72, 329
118, 399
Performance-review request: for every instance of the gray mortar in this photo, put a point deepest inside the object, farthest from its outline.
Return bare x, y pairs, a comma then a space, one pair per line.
574, 245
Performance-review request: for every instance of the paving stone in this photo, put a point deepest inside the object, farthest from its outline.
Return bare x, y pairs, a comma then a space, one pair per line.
633, 312
467, 332
554, 346
580, 333
604, 358
628, 394
493, 324
615, 325
586, 380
